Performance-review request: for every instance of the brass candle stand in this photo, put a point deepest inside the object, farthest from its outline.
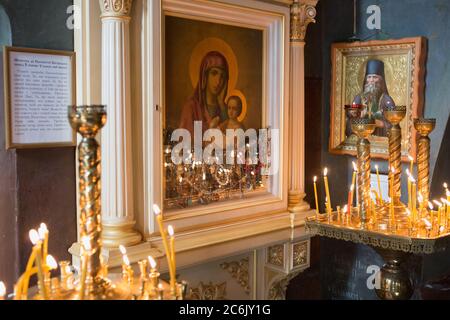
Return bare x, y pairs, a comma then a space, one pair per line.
363, 128
93, 281
393, 229
424, 127
395, 116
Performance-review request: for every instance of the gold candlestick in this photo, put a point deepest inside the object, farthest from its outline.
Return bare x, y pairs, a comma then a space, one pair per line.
363, 128
424, 127
87, 121
154, 277
395, 116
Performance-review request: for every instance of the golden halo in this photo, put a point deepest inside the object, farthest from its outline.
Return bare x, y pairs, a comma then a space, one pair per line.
238, 93
208, 45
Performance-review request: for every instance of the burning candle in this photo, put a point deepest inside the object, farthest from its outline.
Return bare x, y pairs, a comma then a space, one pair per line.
411, 166
444, 214
51, 264
378, 183
172, 258
408, 173
23, 288
447, 213
154, 275
43, 234
127, 271
413, 197
327, 190
35, 239
345, 211
350, 197
157, 212
446, 189
355, 171
316, 198
2, 291
439, 212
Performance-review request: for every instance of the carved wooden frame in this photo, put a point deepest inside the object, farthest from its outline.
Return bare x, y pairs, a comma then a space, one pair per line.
274, 21
411, 49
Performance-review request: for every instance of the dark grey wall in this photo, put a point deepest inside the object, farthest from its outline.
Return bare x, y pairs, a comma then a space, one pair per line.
39, 182
8, 194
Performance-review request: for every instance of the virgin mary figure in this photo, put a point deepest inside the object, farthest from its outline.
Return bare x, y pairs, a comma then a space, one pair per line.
207, 103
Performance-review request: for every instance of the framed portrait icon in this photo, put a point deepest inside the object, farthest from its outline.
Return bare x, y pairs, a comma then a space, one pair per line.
399, 68
224, 69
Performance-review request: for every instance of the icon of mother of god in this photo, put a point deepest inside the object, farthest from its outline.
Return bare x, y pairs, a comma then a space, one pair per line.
207, 104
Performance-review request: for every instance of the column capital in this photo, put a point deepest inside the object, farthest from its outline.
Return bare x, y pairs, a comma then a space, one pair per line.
303, 13
116, 8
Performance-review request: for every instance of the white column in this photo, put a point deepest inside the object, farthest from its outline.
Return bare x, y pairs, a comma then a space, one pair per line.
302, 13
117, 185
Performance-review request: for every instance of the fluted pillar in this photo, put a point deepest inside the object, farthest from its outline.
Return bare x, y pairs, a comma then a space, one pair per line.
117, 185
302, 13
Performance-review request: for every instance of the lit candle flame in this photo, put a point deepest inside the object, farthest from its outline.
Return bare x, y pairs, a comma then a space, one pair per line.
156, 210
410, 158
42, 231
325, 172
430, 205
126, 260
376, 167
411, 178
315, 179
171, 231
152, 262
443, 201
408, 212
160, 286
122, 249
408, 173
34, 236
345, 209
445, 185
2, 289
352, 187
51, 262
355, 168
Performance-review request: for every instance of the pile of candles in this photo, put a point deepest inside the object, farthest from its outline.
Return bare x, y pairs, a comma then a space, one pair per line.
40, 263
151, 288
422, 219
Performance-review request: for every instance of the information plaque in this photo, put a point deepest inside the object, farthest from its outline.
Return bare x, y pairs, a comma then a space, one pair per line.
39, 87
